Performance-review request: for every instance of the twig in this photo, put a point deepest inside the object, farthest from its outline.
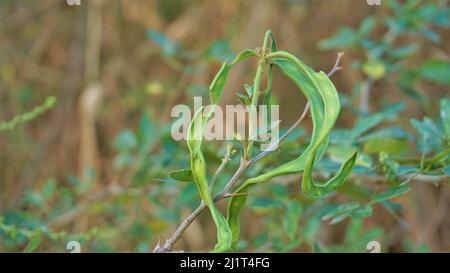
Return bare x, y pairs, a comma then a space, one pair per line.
242, 167
112, 191
225, 193
275, 144
226, 158
336, 66
167, 247
422, 178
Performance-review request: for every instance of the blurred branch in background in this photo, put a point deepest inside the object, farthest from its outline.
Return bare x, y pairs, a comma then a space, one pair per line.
90, 101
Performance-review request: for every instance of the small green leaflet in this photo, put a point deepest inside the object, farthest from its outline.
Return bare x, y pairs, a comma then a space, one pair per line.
184, 175
435, 70
33, 244
394, 192
445, 115
292, 218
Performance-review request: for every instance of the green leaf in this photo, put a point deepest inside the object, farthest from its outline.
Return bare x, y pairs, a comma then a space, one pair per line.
403, 51
311, 228
366, 123
268, 91
198, 168
430, 34
388, 145
447, 170
345, 37
221, 50
218, 83
292, 217
435, 70
367, 25
342, 137
341, 153
438, 15
249, 90
325, 107
392, 206
168, 46
34, 198
122, 160
340, 218
125, 141
184, 175
33, 244
363, 212
245, 99
395, 132
265, 203
445, 115
413, 93
392, 193
49, 189
336, 210
146, 134
292, 244
430, 137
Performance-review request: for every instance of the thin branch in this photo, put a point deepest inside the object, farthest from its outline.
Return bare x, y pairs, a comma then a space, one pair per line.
234, 194
277, 143
336, 66
226, 158
167, 247
242, 167
112, 191
224, 193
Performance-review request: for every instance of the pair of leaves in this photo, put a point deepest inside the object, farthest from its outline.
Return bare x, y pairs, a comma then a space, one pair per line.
325, 107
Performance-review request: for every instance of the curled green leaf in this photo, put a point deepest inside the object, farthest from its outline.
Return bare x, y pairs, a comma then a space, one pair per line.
197, 160
323, 98
198, 169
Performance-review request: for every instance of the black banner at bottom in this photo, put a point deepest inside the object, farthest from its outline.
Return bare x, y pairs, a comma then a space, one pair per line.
224, 262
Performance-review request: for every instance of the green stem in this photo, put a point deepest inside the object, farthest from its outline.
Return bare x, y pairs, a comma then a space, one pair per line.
257, 90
